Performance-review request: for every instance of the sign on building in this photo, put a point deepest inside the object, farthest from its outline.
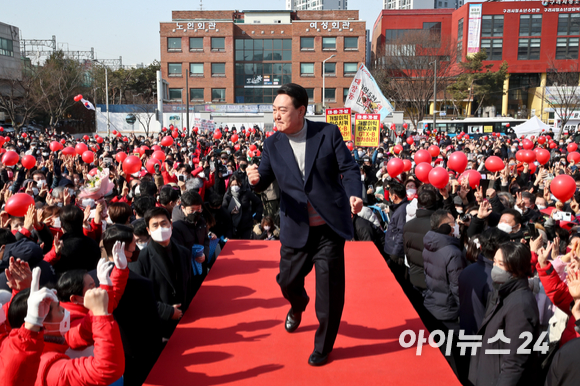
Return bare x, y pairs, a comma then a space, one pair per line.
474, 29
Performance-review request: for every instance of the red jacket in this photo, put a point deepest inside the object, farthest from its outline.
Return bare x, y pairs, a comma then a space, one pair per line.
206, 185
95, 231
19, 354
167, 178
559, 295
106, 367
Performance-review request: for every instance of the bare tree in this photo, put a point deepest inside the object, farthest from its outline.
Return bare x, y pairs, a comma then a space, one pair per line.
562, 93
144, 114
404, 70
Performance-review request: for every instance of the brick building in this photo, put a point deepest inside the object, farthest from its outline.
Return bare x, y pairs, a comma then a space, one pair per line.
243, 57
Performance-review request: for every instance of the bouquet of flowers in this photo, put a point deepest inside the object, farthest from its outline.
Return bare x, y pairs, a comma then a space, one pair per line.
97, 185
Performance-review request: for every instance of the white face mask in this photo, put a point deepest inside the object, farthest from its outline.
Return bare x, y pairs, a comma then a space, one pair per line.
235, 189
40, 183
141, 245
161, 234
266, 228
541, 207
64, 324
507, 228
459, 210
201, 175
56, 222
361, 153
456, 233
411, 192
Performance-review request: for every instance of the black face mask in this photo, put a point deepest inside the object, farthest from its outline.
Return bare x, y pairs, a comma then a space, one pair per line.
243, 166
193, 217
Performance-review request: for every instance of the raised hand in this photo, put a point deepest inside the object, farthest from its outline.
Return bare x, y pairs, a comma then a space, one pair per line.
484, 210
573, 281
103, 271
18, 274
38, 301
97, 301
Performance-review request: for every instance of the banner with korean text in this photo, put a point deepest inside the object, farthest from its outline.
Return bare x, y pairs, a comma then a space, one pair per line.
367, 130
474, 29
365, 96
341, 118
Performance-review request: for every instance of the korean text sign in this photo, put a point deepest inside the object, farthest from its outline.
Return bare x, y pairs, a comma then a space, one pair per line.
341, 118
367, 130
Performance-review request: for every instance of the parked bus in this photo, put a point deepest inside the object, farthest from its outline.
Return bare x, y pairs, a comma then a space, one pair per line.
475, 127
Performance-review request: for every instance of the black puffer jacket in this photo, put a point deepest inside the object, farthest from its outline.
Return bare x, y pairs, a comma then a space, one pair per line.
443, 259
188, 234
413, 234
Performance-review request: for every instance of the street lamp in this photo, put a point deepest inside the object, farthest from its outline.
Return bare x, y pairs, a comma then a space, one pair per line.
324, 80
434, 95
106, 96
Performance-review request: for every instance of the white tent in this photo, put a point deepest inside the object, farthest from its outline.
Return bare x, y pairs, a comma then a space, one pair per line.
532, 126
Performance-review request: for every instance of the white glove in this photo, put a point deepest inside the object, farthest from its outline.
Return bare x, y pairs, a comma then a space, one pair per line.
119, 255
103, 271
38, 301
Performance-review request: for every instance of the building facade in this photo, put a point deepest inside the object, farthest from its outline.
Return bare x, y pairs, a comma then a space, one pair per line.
10, 60
243, 57
535, 38
422, 4
315, 5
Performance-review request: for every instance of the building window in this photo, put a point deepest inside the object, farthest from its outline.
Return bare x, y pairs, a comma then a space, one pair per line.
529, 49
329, 44
351, 43
459, 51
350, 69
196, 69
174, 69
196, 94
196, 44
258, 50
218, 69
460, 30
175, 94
330, 68
218, 94
6, 47
492, 25
568, 24
218, 44
173, 44
330, 95
310, 92
567, 48
344, 94
530, 25
306, 44
306, 69
493, 48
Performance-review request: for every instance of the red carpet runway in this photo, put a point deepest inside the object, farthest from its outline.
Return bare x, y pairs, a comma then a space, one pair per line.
233, 332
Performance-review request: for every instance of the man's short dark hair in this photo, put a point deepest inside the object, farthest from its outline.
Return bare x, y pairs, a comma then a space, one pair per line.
296, 92
140, 227
122, 233
6, 237
191, 197
71, 218
426, 198
490, 240
70, 283
147, 188
438, 217
18, 309
119, 212
398, 190
157, 211
167, 194
517, 215
143, 204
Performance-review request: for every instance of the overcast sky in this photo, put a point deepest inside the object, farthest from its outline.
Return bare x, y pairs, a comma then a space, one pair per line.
126, 28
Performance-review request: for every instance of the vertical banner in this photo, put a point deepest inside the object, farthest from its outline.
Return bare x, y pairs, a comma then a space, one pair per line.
474, 29
365, 96
341, 118
367, 130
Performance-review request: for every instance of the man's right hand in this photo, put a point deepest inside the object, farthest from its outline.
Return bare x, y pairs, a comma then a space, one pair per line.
97, 301
253, 174
177, 313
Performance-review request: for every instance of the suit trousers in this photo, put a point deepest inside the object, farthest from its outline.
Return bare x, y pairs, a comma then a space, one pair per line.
324, 250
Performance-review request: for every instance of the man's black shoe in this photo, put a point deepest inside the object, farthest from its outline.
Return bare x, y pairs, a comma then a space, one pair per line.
292, 320
317, 359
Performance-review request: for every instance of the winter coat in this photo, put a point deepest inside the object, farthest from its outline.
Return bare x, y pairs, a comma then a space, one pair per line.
514, 311
250, 204
394, 234
413, 233
258, 233
188, 234
443, 260
19, 353
78, 252
475, 285
564, 369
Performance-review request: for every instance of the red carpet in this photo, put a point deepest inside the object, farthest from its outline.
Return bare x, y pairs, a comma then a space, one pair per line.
233, 332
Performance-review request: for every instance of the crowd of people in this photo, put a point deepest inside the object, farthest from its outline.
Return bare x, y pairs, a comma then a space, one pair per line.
97, 272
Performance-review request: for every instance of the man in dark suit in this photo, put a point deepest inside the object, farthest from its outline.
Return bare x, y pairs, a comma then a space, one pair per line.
320, 187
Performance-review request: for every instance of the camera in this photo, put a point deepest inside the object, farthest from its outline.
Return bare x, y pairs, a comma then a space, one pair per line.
465, 217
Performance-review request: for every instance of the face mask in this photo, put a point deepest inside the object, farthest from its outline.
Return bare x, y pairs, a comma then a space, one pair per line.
459, 210
361, 153
45, 154
266, 228
64, 324
243, 166
229, 172
201, 175
541, 207
380, 155
456, 232
507, 228
56, 222
141, 245
189, 144
161, 234
235, 189
35, 191
411, 192
499, 276
193, 217
561, 144
513, 149
228, 152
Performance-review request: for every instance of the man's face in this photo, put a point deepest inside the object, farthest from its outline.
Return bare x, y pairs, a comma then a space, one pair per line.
158, 222
287, 118
191, 209
509, 219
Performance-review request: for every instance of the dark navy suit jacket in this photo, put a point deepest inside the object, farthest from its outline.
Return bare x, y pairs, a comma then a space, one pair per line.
331, 177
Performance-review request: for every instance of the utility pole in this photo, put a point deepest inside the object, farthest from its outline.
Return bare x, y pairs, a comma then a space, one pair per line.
187, 101
435, 96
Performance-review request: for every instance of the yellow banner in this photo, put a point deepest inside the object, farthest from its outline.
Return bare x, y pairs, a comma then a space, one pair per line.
367, 131
488, 129
341, 118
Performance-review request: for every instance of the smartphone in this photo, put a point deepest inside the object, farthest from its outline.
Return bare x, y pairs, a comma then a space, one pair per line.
107, 160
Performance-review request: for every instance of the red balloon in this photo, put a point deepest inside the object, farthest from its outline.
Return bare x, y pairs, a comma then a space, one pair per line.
485, 138
541, 140
427, 132
24, 135
80, 148
258, 153
275, 128
410, 140
120, 156
563, 187
167, 141
217, 134
574, 156
195, 130
457, 161
434, 150
183, 135
99, 139
2, 140
473, 178
528, 145
422, 172
553, 145
532, 167
159, 154
144, 148
248, 133
527, 156
543, 156
156, 147
125, 139
397, 149
250, 153
114, 132
507, 125
28, 161
253, 147
422, 156
1, 129
572, 146
494, 164
86, 137
18, 204
234, 138
78, 98
175, 134
237, 146
63, 141
88, 156
395, 167
408, 165
349, 145
438, 177
164, 129
405, 125
466, 136
69, 151
150, 165
55, 146
393, 126
131, 164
